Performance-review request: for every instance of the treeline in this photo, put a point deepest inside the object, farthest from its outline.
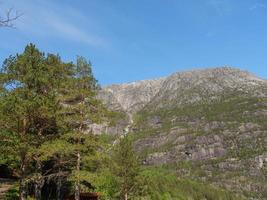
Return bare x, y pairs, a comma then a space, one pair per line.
46, 106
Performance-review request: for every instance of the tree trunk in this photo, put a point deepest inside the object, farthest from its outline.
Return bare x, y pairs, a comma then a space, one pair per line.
22, 184
78, 164
38, 190
77, 184
59, 184
22, 190
39, 182
126, 196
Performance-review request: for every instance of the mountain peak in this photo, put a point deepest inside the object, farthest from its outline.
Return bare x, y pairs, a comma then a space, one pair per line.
180, 87
224, 71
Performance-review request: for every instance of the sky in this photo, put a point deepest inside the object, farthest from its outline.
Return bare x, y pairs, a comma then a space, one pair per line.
129, 40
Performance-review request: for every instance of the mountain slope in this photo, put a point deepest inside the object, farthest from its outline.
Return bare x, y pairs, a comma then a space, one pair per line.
209, 125
181, 87
131, 97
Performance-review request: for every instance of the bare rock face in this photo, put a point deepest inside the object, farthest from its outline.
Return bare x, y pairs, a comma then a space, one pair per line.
248, 127
206, 85
181, 88
131, 97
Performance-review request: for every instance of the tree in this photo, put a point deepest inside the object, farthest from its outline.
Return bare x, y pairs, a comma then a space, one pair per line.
80, 149
84, 109
46, 106
127, 168
29, 85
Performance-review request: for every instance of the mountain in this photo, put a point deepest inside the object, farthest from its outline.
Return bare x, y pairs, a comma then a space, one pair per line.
208, 125
180, 87
131, 97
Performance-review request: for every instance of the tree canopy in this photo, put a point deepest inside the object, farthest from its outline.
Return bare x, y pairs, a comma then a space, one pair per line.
45, 107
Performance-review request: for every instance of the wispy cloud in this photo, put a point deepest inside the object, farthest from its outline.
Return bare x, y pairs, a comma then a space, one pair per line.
72, 32
221, 7
47, 19
257, 6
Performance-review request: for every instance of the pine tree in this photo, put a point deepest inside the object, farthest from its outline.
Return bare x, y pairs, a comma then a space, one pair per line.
45, 108
28, 102
82, 108
127, 167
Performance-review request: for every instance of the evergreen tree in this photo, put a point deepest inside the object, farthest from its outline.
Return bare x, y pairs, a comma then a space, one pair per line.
127, 168
29, 86
46, 106
77, 147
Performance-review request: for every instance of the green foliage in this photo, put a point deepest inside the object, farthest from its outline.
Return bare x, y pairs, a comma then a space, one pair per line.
225, 109
107, 184
126, 167
30, 84
12, 194
8, 152
45, 105
232, 111
164, 184
82, 106
115, 117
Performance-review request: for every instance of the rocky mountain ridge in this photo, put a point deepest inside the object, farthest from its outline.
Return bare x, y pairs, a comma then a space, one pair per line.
187, 86
209, 125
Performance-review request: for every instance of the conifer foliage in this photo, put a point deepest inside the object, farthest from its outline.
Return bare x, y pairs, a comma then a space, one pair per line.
45, 107
127, 168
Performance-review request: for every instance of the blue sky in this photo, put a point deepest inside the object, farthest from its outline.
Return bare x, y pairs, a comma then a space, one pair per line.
128, 40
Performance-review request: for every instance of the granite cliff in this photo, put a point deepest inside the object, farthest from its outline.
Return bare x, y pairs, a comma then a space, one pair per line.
181, 88
208, 125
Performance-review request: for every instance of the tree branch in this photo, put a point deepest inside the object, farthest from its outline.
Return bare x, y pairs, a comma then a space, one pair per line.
10, 17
